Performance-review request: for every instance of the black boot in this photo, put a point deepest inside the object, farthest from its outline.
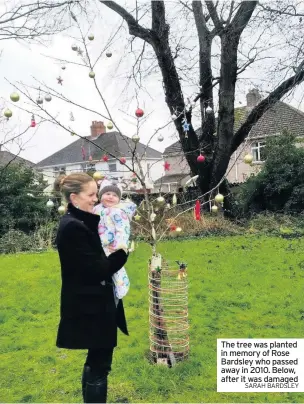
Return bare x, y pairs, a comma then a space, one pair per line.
85, 378
96, 392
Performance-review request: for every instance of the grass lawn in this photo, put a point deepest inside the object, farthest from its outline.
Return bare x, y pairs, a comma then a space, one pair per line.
239, 287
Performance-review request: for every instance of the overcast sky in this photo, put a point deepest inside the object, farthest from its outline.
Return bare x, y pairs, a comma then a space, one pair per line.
28, 64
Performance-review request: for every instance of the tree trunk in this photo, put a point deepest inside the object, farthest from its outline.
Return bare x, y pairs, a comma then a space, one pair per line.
221, 157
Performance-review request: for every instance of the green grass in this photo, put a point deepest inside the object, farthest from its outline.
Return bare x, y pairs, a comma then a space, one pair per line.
239, 287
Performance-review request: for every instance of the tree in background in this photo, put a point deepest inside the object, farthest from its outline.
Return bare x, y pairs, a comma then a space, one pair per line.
223, 53
20, 209
279, 187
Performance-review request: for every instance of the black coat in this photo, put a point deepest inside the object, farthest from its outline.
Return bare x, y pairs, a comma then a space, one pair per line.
89, 316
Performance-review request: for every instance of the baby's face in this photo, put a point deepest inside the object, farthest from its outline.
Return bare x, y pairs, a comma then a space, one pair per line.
109, 199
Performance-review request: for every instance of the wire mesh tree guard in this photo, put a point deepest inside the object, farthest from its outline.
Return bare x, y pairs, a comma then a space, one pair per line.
168, 311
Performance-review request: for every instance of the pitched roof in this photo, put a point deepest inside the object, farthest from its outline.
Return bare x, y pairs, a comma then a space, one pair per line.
7, 157
112, 142
170, 178
279, 117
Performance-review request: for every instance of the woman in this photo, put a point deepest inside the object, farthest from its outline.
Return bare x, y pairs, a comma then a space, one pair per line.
89, 315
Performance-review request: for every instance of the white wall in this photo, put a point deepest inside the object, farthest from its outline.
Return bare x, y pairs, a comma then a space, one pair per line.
156, 169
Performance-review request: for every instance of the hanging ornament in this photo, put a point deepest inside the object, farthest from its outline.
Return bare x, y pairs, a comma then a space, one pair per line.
50, 204
98, 176
182, 273
214, 209
59, 80
219, 198
132, 246
61, 210
73, 134
108, 54
33, 122
63, 67
135, 138
91, 37
139, 112
110, 125
122, 160
48, 98
7, 113
208, 110
74, 47
39, 100
90, 158
153, 233
168, 206
167, 166
186, 126
137, 217
172, 227
92, 74
248, 159
72, 116
174, 200
173, 117
152, 216
160, 200
201, 158
105, 158
15, 97
160, 138
79, 52
178, 229
197, 210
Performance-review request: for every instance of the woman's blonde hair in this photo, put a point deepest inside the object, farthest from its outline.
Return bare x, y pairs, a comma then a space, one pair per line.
71, 184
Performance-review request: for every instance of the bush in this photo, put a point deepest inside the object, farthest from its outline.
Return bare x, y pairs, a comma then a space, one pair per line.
279, 187
44, 237
15, 241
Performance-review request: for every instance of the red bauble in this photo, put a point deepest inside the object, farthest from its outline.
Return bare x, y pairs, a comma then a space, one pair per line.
33, 123
139, 112
172, 227
122, 160
105, 158
201, 159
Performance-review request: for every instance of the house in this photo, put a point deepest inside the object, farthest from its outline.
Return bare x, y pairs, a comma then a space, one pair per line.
7, 158
278, 118
84, 156
178, 173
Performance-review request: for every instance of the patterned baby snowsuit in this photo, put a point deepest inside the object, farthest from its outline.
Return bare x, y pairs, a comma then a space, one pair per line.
114, 231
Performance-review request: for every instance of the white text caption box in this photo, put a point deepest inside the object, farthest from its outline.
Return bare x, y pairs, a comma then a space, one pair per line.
258, 365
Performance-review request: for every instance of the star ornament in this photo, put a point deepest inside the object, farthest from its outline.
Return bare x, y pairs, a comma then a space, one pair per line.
186, 126
59, 80
167, 166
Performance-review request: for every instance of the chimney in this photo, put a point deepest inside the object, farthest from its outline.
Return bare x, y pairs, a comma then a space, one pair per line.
253, 98
97, 129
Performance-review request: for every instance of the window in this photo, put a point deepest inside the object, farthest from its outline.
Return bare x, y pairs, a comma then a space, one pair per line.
59, 170
258, 151
112, 167
88, 167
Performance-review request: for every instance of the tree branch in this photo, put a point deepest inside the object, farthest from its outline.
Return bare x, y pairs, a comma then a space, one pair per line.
134, 27
214, 16
242, 16
264, 105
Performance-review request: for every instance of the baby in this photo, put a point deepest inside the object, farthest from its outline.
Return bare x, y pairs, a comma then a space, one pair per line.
114, 228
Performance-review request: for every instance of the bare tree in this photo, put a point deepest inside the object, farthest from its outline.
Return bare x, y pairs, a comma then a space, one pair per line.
31, 20
226, 23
